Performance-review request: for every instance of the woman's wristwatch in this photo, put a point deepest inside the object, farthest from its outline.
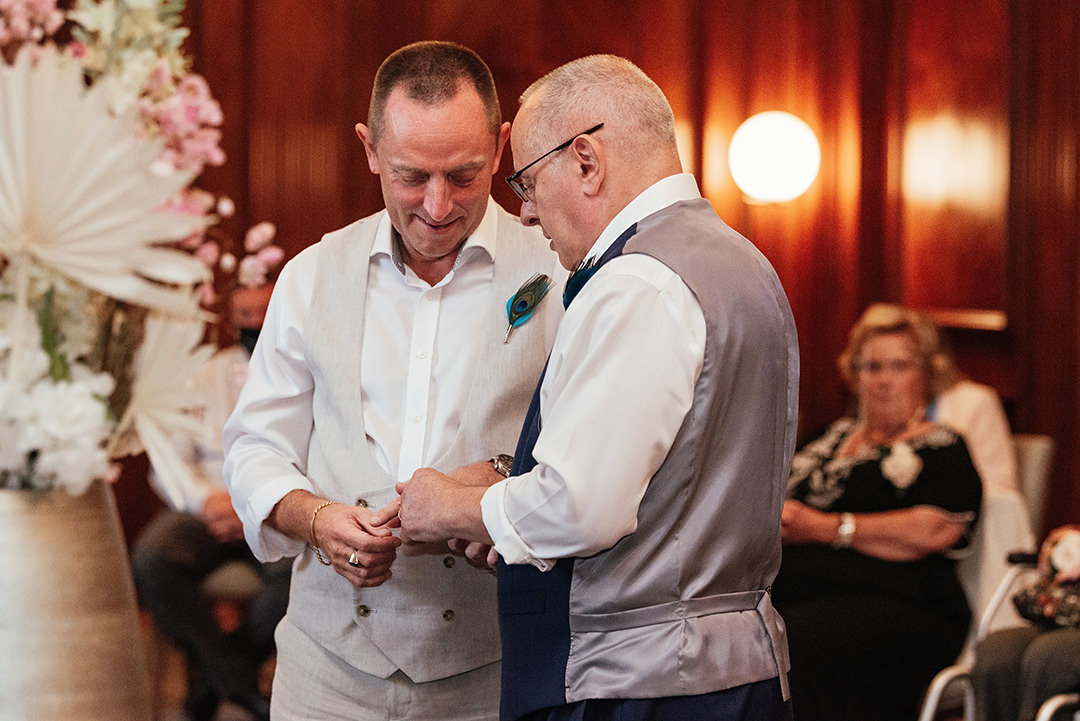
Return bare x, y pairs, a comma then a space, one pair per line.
503, 463
845, 534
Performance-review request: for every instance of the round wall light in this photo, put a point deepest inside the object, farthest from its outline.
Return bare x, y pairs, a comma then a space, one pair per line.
774, 157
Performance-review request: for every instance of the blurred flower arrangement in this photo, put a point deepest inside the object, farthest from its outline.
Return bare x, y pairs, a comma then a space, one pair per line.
1059, 555
1053, 599
107, 249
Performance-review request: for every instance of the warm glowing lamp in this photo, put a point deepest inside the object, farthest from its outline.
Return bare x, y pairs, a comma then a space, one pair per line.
774, 157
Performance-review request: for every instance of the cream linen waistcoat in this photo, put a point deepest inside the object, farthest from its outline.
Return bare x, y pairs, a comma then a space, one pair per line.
436, 616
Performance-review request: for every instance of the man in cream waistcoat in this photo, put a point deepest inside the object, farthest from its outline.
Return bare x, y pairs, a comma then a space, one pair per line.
639, 530
385, 349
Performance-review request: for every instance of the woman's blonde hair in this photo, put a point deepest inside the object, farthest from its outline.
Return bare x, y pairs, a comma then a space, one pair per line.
937, 364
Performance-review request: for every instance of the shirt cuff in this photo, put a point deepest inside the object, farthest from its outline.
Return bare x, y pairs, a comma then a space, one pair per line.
267, 543
507, 542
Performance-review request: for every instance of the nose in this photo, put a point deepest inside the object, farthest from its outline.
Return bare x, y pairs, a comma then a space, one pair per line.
528, 214
437, 199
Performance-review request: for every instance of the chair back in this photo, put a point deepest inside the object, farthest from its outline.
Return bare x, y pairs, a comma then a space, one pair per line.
1034, 458
1004, 526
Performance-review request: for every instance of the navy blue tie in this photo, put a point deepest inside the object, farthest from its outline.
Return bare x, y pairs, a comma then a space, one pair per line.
588, 267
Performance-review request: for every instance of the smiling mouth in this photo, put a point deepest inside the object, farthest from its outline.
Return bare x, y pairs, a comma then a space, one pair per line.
437, 226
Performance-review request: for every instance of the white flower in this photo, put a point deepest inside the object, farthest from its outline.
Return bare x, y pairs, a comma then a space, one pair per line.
16, 319
61, 425
226, 208
1065, 556
126, 84
227, 262
12, 459
70, 427
94, 16
901, 465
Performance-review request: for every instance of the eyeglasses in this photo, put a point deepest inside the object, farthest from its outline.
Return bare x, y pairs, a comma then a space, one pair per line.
897, 366
518, 185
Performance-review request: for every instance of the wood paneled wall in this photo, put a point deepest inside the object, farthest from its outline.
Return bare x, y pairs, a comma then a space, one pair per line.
949, 132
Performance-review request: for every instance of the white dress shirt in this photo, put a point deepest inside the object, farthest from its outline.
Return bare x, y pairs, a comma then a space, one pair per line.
418, 352
618, 385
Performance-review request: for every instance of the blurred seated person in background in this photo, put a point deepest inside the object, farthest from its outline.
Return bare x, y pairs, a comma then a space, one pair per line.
1017, 669
867, 588
201, 532
973, 410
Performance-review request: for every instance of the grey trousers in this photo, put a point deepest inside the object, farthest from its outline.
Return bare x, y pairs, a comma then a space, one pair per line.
310, 683
1016, 669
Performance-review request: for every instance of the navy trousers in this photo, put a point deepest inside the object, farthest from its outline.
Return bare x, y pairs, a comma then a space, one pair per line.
761, 701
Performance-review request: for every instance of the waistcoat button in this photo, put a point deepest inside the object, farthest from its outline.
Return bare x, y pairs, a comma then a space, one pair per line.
448, 615
363, 611
449, 561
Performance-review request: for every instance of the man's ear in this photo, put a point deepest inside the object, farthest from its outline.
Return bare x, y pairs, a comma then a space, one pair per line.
590, 163
500, 146
364, 133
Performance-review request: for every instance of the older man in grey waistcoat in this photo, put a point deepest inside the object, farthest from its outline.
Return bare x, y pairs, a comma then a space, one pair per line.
386, 348
639, 530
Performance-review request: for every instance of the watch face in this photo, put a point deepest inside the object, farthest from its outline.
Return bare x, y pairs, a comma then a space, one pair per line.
503, 464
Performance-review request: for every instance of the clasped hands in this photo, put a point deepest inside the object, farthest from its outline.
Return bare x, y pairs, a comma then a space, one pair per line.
438, 507
430, 509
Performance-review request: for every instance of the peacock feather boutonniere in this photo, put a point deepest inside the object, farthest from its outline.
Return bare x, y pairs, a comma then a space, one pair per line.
520, 306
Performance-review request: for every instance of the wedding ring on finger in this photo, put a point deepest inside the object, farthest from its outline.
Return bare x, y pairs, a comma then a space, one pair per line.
354, 561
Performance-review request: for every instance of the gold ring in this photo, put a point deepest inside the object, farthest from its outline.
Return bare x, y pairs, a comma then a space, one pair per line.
353, 560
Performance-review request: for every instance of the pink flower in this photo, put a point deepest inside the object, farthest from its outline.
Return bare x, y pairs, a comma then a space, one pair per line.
28, 20
208, 253
270, 256
192, 201
207, 294
259, 236
194, 240
195, 93
160, 78
252, 272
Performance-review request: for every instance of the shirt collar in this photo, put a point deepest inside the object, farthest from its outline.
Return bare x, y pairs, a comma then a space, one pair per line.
659, 195
481, 244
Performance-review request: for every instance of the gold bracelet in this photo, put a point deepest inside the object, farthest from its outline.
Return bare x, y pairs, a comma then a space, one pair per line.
314, 545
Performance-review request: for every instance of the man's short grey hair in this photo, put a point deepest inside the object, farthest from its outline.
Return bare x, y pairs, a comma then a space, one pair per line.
601, 89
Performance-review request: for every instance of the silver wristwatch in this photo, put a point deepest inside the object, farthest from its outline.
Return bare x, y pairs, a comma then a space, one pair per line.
503, 463
845, 534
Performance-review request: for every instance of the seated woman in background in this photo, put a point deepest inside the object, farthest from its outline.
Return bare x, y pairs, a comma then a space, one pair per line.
867, 587
974, 410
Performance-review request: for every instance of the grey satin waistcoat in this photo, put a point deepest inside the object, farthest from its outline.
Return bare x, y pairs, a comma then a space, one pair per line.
680, 606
